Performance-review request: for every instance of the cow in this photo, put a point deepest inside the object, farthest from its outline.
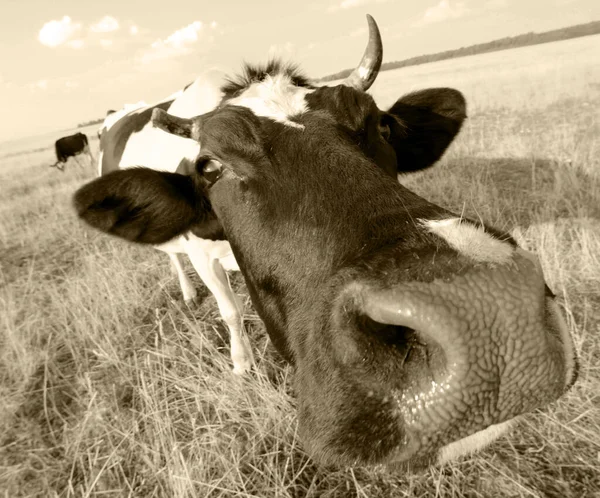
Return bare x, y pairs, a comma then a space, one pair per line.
416, 335
71, 146
128, 139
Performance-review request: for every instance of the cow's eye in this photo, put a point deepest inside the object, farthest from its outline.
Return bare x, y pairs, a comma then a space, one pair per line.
384, 129
209, 168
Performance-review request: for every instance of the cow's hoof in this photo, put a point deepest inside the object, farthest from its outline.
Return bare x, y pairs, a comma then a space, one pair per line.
242, 367
192, 302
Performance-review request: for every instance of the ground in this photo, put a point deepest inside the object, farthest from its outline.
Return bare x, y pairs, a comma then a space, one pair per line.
111, 386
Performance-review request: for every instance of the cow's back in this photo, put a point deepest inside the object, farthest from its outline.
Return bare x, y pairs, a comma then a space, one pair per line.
133, 141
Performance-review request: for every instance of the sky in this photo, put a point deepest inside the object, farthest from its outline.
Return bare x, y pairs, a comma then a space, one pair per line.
68, 61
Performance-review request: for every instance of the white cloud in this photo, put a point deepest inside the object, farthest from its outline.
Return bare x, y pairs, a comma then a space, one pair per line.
55, 33
40, 85
180, 42
105, 25
182, 37
133, 30
443, 11
105, 43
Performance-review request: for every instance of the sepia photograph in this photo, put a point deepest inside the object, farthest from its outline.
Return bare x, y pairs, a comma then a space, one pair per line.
333, 248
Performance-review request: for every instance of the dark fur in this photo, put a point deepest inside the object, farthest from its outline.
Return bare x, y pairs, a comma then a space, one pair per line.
143, 205
70, 146
257, 73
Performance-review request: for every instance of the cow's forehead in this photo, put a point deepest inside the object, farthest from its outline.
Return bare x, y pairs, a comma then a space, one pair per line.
276, 97
276, 91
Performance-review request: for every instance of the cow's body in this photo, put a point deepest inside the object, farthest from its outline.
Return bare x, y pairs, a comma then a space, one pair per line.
71, 146
129, 139
416, 335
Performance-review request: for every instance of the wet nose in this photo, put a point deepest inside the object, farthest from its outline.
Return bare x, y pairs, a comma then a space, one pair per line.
505, 347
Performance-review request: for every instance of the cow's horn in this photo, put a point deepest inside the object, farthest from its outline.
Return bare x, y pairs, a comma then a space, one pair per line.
172, 124
365, 73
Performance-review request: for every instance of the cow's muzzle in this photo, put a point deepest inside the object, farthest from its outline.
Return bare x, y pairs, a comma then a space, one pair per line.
472, 351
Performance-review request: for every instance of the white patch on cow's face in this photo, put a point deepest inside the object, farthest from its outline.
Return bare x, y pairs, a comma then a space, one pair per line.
276, 98
471, 241
474, 442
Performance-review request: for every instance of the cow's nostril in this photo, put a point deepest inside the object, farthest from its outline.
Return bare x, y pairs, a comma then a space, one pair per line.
404, 356
389, 334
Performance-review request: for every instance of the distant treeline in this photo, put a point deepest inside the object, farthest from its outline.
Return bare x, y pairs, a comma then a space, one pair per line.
92, 122
591, 28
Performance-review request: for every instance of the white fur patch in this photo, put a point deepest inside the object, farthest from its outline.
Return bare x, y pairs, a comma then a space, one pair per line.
276, 98
158, 150
474, 442
471, 241
99, 164
111, 119
202, 96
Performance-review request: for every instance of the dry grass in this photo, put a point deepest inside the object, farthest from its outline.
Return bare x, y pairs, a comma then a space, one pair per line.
111, 387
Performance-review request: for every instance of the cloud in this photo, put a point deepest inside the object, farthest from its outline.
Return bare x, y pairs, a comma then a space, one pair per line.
351, 4
40, 85
443, 11
102, 33
180, 42
105, 25
55, 33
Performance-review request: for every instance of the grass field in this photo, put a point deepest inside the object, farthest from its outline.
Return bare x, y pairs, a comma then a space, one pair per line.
111, 386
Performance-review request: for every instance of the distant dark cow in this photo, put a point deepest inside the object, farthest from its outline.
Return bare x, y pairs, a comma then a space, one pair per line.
71, 146
416, 334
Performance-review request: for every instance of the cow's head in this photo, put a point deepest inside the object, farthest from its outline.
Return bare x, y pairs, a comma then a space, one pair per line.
415, 335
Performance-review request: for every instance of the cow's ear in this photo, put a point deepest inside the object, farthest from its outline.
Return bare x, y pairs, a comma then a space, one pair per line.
142, 205
423, 124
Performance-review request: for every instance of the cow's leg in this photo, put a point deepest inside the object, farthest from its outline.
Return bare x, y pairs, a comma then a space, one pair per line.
213, 275
187, 288
88, 151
